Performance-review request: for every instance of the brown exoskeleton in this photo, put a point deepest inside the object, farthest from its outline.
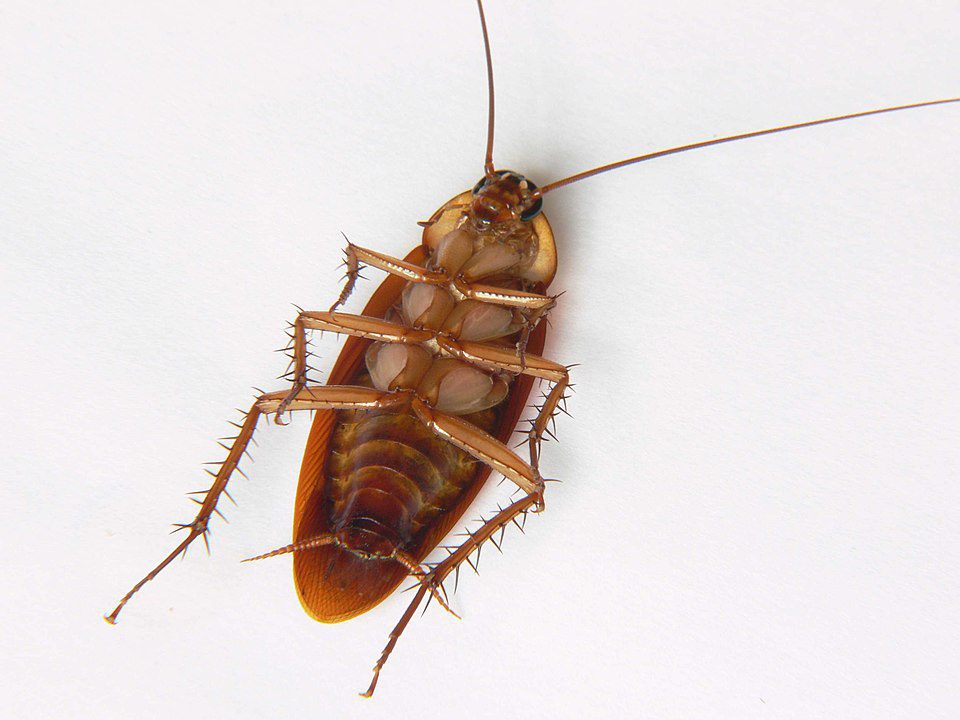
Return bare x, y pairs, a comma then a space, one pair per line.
425, 395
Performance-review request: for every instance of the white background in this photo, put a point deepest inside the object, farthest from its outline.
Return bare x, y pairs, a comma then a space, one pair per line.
760, 513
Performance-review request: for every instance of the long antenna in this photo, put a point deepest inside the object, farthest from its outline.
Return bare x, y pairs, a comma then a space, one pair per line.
488, 162
718, 141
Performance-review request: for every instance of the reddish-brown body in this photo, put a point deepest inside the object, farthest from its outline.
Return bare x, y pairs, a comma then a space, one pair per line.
384, 477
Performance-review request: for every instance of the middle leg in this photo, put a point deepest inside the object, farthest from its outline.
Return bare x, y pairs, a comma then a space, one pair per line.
499, 358
346, 324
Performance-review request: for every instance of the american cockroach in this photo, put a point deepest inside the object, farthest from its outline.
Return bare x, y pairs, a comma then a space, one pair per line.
421, 404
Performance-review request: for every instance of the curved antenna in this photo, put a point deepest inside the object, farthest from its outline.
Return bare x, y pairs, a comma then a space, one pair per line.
743, 136
488, 161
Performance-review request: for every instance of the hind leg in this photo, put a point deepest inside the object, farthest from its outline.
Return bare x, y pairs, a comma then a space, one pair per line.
328, 397
442, 570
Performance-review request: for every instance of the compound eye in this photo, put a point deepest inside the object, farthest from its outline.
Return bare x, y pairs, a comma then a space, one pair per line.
531, 212
479, 185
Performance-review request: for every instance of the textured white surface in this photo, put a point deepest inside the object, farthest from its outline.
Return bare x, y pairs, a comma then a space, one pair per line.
760, 514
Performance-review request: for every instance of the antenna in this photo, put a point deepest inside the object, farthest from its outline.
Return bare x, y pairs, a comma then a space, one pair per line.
488, 161
717, 141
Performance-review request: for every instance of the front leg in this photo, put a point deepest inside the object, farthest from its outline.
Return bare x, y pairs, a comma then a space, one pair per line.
354, 255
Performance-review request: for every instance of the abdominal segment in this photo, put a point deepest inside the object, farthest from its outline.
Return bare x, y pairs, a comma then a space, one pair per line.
389, 478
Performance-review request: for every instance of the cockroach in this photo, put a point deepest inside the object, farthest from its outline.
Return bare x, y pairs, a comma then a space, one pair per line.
421, 404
